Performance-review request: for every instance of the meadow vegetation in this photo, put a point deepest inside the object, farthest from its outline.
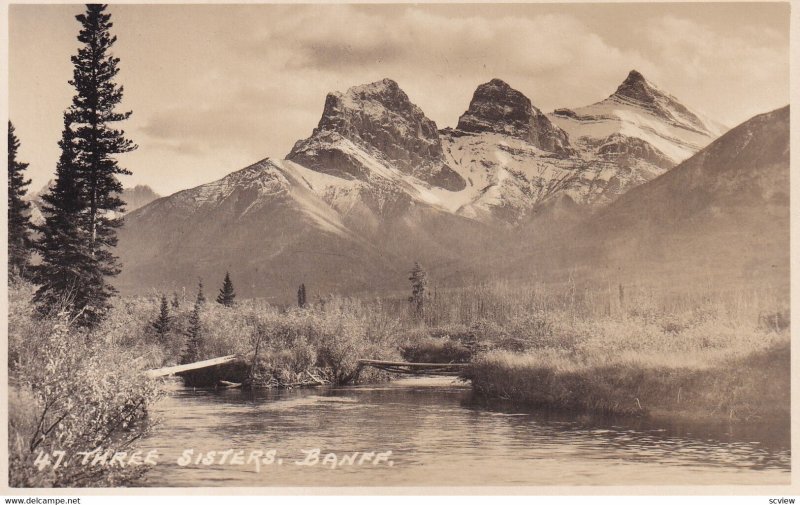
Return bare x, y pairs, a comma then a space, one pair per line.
624, 350
614, 350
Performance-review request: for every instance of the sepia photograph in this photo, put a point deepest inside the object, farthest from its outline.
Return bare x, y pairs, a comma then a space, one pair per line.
395, 246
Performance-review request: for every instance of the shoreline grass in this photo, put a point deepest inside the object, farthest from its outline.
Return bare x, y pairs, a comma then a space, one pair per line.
699, 354
751, 388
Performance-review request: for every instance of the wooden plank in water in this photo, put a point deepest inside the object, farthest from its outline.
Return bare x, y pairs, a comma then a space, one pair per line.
403, 367
161, 372
374, 362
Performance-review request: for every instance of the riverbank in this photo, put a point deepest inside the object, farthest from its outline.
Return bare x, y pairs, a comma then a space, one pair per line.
743, 387
714, 355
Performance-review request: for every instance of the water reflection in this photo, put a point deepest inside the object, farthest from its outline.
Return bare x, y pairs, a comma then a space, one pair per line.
439, 435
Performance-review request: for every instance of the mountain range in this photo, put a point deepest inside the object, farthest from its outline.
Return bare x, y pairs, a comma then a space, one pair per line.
135, 197
377, 185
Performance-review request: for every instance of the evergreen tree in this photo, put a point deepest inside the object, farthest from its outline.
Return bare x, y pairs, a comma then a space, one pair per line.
194, 336
19, 244
66, 267
162, 322
175, 302
96, 142
226, 294
301, 296
201, 297
419, 284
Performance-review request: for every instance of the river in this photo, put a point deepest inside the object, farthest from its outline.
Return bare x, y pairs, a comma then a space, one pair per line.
438, 435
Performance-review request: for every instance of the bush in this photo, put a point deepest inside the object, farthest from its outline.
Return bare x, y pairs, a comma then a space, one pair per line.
323, 341
437, 350
71, 391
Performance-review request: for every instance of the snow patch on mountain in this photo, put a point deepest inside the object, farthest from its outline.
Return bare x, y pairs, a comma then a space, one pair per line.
508, 177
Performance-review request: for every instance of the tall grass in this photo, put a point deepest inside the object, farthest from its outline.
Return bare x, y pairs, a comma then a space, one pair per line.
556, 326
625, 350
748, 386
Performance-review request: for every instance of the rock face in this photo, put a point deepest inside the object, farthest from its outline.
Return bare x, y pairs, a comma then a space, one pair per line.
496, 107
379, 120
619, 148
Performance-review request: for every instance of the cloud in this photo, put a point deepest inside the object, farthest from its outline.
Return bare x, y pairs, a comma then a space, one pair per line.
738, 76
255, 83
281, 70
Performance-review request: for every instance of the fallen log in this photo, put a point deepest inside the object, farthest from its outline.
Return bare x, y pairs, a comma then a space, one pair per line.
402, 367
412, 365
317, 380
161, 372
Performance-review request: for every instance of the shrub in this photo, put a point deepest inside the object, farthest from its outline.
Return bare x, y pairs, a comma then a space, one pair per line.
433, 350
73, 392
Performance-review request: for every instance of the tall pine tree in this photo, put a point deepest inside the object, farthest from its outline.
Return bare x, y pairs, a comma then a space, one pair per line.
419, 285
67, 268
194, 331
301, 296
201, 297
226, 294
97, 142
19, 244
163, 321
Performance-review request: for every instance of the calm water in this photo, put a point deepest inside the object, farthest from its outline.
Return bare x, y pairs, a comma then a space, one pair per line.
438, 435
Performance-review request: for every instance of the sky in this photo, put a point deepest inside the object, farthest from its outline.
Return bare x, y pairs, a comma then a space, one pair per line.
214, 88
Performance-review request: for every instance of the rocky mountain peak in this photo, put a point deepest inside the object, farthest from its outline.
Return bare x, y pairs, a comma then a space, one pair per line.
353, 113
387, 91
636, 87
381, 121
496, 107
637, 90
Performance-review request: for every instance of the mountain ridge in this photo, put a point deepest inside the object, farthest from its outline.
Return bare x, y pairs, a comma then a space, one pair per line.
280, 222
